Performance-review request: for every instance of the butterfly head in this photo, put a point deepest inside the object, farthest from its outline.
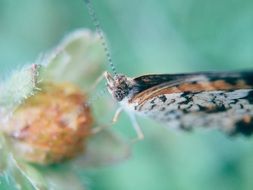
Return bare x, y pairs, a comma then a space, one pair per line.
119, 85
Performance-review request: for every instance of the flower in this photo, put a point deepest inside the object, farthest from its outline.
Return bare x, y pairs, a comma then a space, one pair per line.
46, 117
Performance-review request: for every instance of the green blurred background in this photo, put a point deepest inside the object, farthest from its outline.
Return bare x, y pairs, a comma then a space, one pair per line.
150, 36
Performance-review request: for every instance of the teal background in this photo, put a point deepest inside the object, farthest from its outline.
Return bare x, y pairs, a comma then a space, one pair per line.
150, 36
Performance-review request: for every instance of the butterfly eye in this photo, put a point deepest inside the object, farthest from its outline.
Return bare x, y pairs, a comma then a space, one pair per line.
121, 92
119, 95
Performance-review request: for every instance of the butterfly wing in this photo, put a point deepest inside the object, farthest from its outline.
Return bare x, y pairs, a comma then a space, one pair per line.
224, 100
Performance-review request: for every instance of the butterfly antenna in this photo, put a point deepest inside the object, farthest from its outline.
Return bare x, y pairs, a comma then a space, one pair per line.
100, 34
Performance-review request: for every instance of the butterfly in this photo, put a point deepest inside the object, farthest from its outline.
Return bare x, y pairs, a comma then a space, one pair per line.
206, 99
224, 100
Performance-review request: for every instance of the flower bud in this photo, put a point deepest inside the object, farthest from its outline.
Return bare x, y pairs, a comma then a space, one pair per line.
52, 125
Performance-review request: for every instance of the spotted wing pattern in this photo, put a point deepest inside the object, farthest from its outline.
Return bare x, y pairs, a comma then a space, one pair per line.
224, 100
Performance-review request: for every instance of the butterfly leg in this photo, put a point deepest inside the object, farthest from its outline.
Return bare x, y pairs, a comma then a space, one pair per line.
114, 120
137, 128
116, 115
